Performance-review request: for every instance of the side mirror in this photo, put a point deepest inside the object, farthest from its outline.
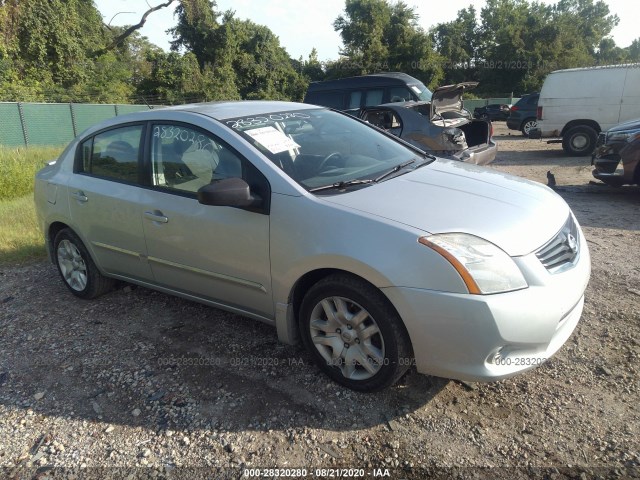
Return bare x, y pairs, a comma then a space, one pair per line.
230, 192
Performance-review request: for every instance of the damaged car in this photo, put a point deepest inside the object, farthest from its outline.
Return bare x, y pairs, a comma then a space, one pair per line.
618, 145
442, 125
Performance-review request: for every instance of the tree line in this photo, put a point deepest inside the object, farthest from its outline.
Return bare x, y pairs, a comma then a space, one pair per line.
64, 51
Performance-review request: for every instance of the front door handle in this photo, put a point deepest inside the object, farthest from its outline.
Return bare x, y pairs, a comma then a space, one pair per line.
156, 216
80, 196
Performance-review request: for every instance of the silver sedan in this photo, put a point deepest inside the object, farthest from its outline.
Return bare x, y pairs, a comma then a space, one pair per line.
374, 254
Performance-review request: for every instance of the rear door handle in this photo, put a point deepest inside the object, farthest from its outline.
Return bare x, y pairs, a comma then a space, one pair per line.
80, 196
156, 216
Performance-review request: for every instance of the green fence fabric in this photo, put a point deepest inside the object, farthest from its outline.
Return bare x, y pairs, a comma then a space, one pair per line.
23, 124
86, 116
11, 134
124, 109
48, 123
472, 104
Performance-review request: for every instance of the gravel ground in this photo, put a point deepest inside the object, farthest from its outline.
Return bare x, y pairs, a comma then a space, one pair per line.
143, 384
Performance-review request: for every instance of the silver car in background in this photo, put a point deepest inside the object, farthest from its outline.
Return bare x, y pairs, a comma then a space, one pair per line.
374, 254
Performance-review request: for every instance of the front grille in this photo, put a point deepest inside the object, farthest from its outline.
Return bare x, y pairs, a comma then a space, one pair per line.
561, 250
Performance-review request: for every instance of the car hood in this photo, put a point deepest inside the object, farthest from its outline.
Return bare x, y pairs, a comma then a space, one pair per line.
449, 98
628, 125
515, 214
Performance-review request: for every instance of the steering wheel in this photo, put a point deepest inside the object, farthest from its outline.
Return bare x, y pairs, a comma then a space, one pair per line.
326, 160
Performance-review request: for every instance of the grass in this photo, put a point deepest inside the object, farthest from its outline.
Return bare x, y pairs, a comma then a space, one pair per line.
20, 236
18, 167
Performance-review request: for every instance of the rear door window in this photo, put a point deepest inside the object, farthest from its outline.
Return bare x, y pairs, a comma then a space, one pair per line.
373, 98
113, 154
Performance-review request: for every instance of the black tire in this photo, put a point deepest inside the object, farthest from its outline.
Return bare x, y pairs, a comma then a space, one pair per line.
391, 343
76, 267
527, 125
579, 141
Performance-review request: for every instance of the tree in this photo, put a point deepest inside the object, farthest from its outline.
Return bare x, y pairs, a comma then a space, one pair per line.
633, 51
518, 42
312, 68
237, 52
127, 32
196, 29
378, 35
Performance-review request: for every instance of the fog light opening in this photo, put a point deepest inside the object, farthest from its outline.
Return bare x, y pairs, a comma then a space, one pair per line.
496, 357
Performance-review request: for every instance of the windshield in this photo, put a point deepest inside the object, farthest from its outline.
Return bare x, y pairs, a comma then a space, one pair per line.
423, 92
319, 147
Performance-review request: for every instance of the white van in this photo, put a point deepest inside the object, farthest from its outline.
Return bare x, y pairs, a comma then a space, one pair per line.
579, 103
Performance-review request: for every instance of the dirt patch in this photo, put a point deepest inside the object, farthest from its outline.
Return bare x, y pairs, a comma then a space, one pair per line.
141, 382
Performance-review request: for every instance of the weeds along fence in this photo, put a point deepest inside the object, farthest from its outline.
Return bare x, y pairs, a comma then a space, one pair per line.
45, 124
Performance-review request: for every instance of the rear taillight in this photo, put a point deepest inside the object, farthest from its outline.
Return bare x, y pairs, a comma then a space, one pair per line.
539, 113
490, 130
514, 108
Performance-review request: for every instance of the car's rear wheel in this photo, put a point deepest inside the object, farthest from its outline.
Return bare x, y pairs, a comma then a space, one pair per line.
77, 269
528, 125
579, 141
354, 334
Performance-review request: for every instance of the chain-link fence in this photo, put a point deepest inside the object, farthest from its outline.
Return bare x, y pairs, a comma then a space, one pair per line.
28, 124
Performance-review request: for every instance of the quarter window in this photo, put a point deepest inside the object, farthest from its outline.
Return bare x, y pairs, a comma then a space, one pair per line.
113, 154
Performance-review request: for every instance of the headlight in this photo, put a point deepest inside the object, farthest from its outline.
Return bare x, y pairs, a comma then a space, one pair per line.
623, 136
484, 268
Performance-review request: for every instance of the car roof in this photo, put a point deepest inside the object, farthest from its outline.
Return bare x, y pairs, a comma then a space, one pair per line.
216, 110
405, 104
241, 108
372, 80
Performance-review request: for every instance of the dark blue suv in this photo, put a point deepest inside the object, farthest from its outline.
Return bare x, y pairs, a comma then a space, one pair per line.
523, 114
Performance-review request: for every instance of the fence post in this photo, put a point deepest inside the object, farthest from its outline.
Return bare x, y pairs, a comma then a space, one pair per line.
115, 106
73, 120
23, 124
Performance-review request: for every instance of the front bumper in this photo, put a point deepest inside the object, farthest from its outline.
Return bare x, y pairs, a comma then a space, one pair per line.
608, 157
491, 337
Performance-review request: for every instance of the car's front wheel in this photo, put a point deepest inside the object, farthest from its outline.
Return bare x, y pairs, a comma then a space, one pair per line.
353, 333
77, 269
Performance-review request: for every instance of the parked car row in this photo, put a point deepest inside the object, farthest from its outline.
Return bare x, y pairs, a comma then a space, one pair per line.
520, 116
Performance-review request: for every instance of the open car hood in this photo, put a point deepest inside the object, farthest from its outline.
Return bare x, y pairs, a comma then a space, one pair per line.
449, 98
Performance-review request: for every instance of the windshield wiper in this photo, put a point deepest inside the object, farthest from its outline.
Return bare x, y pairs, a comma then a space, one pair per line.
395, 169
342, 185
348, 183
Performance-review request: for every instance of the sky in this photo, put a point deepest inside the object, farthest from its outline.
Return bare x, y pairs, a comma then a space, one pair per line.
304, 24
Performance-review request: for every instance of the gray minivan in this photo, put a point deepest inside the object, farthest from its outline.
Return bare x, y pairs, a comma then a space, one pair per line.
352, 93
